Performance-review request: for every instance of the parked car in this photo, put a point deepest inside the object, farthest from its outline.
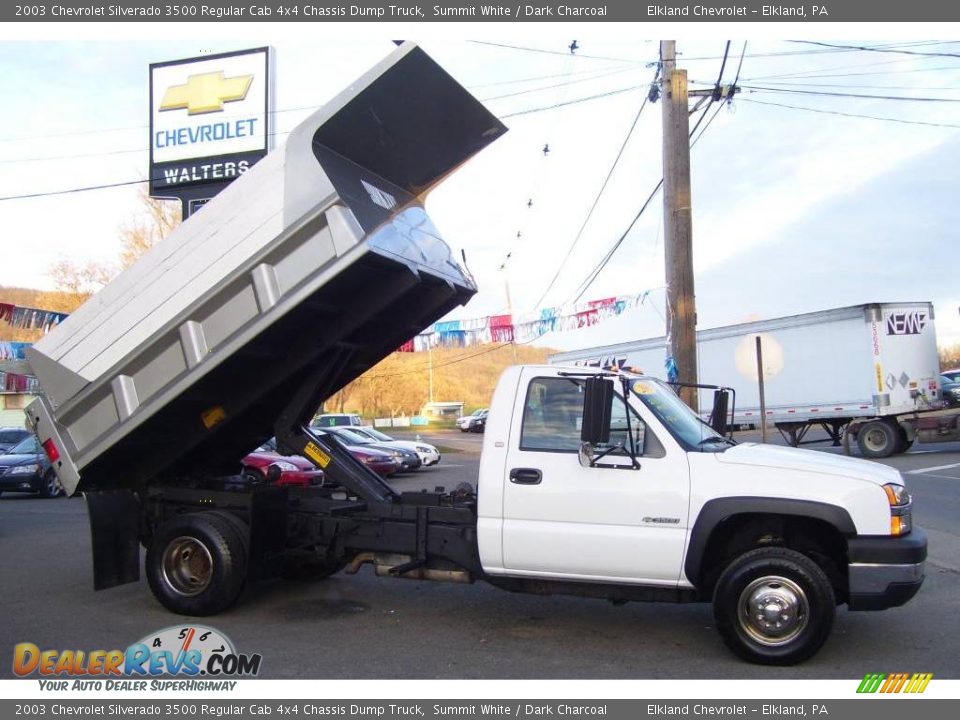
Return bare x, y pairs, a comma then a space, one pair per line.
475, 422
429, 455
408, 459
26, 468
950, 387
294, 470
380, 461
10, 436
337, 420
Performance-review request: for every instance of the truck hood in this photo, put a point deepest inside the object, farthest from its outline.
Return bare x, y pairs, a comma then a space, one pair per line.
821, 463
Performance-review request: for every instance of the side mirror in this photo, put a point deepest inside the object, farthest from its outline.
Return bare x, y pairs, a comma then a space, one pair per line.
597, 408
273, 473
721, 405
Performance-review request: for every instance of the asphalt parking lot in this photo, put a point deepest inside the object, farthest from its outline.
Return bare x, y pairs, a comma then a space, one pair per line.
366, 627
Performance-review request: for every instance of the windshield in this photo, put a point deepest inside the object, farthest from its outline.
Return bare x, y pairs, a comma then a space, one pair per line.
27, 446
377, 435
680, 420
351, 437
12, 436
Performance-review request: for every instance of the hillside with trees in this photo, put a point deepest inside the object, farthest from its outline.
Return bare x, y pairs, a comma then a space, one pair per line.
400, 384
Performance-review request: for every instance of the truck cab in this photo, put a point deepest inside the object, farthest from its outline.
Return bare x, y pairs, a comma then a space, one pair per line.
660, 505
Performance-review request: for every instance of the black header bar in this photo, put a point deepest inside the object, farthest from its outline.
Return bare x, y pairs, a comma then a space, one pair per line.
321, 11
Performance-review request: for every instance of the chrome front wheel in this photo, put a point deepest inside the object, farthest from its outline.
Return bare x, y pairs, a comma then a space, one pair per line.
773, 610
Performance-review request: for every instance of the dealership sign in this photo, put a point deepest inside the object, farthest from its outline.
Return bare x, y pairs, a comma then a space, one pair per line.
209, 122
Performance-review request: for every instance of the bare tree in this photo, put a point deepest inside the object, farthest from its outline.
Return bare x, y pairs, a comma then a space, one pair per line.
81, 280
158, 219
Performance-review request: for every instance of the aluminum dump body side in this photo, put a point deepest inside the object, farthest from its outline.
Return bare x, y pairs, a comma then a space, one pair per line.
320, 256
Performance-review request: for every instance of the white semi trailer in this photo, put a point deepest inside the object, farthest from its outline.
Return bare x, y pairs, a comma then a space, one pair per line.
869, 372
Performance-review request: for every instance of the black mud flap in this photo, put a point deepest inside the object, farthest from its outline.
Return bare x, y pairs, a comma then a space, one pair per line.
114, 531
268, 532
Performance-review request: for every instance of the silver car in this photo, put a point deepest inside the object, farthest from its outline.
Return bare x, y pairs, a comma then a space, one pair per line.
429, 455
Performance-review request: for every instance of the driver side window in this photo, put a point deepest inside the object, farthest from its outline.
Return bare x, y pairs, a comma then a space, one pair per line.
553, 415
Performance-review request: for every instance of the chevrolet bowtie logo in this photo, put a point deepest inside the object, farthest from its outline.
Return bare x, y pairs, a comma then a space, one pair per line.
206, 93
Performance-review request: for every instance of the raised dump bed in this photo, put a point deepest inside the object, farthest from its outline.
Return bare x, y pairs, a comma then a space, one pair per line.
316, 263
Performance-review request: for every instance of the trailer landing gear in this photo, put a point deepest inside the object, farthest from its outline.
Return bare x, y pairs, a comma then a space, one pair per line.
795, 432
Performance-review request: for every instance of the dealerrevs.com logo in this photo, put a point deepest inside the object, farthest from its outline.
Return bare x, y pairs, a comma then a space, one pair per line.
191, 651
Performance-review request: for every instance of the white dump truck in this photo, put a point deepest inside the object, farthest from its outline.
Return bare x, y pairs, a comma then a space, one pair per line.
309, 269
867, 372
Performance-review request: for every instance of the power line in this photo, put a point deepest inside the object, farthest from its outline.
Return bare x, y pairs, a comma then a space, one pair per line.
877, 48
828, 71
596, 200
849, 86
588, 281
106, 153
830, 50
554, 52
901, 98
597, 76
503, 117
716, 89
571, 102
848, 114
539, 77
72, 190
712, 117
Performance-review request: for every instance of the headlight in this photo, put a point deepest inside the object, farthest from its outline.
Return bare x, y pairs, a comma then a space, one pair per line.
285, 466
896, 495
371, 459
25, 469
423, 449
901, 516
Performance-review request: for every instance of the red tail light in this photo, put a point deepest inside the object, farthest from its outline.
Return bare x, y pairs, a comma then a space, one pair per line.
51, 449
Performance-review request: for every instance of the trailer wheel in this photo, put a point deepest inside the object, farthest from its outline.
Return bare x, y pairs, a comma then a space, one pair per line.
878, 439
903, 442
774, 606
197, 564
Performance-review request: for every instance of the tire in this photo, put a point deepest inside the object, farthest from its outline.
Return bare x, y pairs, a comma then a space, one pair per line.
50, 486
239, 526
878, 439
767, 578
253, 476
903, 443
197, 563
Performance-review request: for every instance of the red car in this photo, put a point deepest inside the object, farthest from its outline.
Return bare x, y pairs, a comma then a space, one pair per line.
294, 470
377, 460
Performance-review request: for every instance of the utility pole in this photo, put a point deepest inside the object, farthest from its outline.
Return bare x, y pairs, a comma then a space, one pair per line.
677, 223
506, 287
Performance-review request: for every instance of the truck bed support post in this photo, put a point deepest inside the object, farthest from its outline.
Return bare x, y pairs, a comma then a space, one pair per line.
294, 435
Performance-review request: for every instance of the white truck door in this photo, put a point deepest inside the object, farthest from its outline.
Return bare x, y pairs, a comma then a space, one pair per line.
565, 521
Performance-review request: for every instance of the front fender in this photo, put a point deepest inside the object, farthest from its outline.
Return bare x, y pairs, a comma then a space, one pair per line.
716, 511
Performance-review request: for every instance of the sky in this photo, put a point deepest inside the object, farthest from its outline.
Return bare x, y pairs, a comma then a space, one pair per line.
793, 210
